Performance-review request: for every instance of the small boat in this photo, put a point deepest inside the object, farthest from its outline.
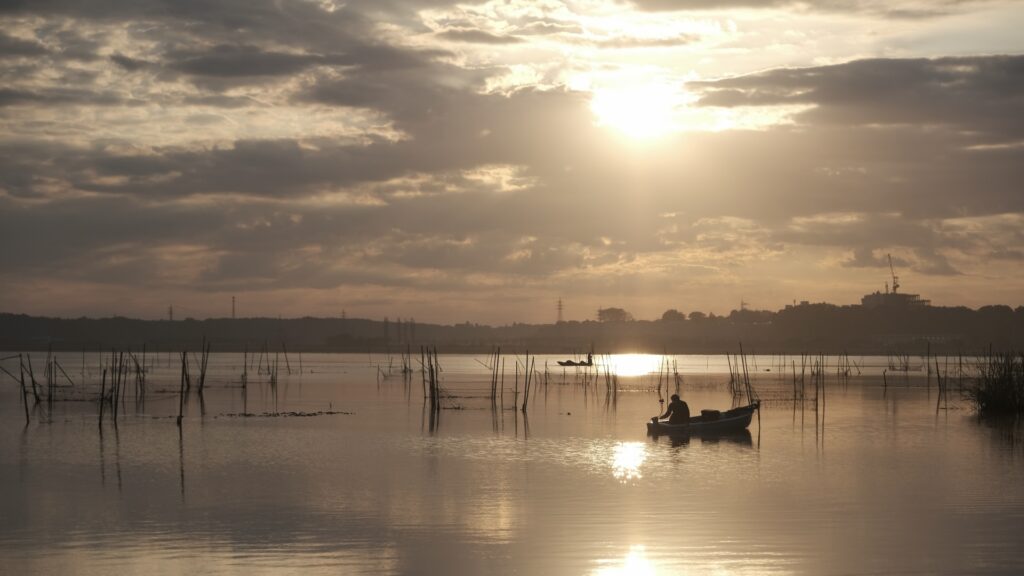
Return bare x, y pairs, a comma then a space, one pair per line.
709, 422
736, 437
588, 362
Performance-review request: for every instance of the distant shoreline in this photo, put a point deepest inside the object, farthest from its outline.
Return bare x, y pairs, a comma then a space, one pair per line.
810, 329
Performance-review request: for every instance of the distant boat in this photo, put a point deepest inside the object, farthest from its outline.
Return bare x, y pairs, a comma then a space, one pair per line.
709, 422
588, 362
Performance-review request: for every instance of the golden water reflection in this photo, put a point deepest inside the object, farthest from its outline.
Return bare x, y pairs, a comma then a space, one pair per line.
633, 364
627, 459
635, 563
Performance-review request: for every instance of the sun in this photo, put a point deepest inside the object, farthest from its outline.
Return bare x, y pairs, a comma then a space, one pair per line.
641, 112
633, 364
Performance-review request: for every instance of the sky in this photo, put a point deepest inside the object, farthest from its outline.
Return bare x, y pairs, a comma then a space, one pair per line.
478, 161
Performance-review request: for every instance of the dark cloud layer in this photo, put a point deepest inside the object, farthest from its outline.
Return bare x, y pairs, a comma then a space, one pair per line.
453, 187
233, 61
976, 93
13, 47
478, 36
900, 10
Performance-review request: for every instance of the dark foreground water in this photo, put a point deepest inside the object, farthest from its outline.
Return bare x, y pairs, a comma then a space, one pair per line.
875, 481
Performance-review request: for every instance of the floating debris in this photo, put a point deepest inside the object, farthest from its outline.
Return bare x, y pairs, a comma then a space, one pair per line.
281, 414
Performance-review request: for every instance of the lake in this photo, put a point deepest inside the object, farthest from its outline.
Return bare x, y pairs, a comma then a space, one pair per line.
877, 476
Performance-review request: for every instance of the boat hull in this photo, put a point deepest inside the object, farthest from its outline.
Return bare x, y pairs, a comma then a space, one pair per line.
730, 421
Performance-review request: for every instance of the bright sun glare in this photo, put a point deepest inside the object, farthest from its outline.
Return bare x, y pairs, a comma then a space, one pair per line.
627, 460
633, 364
634, 564
640, 111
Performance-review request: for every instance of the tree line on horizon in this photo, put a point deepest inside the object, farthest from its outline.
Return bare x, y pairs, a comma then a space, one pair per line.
806, 328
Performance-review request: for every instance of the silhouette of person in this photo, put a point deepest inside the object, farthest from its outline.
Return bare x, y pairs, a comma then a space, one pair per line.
677, 412
590, 359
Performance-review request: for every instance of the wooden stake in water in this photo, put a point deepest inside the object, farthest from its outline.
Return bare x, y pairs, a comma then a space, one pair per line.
203, 361
181, 388
103, 394
24, 398
515, 394
32, 377
526, 380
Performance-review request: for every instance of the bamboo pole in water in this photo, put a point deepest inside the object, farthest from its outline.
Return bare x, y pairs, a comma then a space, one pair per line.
5, 371
117, 385
287, 363
48, 374
181, 389
423, 370
794, 380
438, 369
927, 363
24, 398
32, 377
526, 380
515, 393
259, 361
114, 376
103, 394
123, 366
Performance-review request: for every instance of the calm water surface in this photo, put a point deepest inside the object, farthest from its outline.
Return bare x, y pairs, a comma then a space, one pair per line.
875, 481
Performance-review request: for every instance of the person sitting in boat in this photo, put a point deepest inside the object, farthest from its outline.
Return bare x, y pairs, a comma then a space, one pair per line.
678, 412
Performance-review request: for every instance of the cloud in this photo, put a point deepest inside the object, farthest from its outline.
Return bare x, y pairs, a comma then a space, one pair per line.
235, 61
542, 27
638, 42
983, 94
57, 96
869, 258
905, 9
272, 146
478, 37
924, 260
130, 64
18, 47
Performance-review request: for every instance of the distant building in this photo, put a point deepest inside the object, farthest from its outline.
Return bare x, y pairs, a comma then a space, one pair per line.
893, 299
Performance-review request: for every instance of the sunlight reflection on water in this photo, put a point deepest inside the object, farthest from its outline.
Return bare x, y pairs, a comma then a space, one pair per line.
627, 460
635, 563
884, 484
632, 364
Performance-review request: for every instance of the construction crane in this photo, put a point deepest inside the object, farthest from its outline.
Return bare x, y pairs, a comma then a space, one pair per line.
895, 278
